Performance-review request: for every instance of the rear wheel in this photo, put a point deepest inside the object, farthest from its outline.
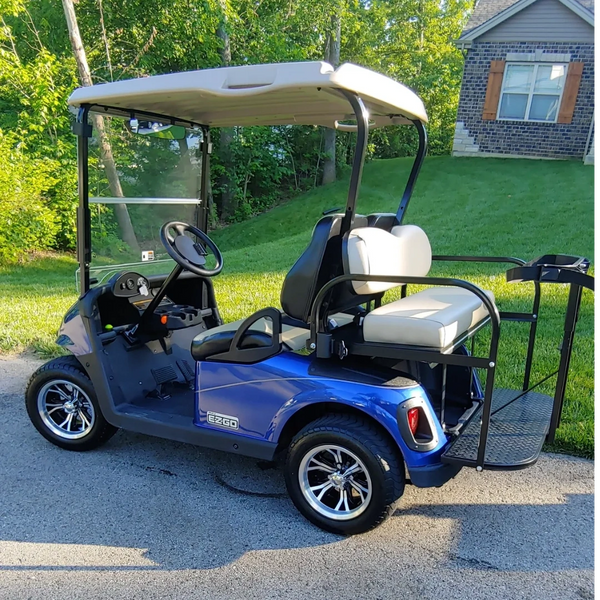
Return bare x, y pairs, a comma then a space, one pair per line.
63, 406
344, 474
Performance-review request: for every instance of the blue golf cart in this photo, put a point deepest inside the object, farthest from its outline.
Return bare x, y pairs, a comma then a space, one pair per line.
356, 396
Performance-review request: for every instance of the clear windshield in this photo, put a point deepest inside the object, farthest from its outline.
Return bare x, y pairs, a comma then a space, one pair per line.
137, 182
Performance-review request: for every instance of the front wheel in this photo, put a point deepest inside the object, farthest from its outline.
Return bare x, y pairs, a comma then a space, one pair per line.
63, 407
344, 474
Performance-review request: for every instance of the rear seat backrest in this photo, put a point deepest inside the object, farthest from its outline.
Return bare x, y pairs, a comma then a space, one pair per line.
372, 251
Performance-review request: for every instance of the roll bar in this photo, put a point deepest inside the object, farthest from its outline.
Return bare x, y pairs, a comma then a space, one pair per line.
362, 130
83, 130
414, 172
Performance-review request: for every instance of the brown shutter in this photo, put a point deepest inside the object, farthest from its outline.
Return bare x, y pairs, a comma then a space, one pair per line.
492, 95
567, 106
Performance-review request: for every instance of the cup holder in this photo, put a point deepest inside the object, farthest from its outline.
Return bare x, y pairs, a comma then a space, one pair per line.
184, 312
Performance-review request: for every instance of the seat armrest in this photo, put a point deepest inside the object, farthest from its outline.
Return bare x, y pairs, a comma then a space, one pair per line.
245, 345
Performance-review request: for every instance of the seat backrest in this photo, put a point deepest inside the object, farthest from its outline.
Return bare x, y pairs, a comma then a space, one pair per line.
318, 264
373, 251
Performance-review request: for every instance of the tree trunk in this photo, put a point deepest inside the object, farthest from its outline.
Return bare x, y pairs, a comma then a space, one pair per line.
223, 35
106, 154
228, 202
332, 56
187, 169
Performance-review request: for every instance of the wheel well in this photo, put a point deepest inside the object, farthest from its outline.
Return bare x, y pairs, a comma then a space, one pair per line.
313, 411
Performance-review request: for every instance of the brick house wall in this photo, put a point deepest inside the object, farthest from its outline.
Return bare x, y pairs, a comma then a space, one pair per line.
475, 136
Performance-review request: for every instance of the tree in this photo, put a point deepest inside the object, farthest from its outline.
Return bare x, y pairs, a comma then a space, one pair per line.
228, 201
108, 160
253, 168
332, 56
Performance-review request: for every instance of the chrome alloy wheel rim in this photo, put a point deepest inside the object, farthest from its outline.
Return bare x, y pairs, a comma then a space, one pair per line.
335, 482
66, 409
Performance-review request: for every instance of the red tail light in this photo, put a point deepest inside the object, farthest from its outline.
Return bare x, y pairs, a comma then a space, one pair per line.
413, 419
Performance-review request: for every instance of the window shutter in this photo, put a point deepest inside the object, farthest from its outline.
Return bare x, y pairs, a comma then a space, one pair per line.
492, 94
567, 106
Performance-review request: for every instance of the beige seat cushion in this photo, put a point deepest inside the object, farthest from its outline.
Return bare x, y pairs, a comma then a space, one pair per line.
433, 318
371, 251
294, 338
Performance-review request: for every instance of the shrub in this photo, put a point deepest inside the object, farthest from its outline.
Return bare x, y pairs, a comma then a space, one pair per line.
26, 222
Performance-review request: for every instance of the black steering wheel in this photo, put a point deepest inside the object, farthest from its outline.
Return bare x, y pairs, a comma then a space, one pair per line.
189, 254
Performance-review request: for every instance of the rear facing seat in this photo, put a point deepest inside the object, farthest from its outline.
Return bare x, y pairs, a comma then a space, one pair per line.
433, 318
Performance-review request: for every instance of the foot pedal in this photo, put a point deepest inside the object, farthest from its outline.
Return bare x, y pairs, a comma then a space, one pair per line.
186, 370
159, 394
164, 374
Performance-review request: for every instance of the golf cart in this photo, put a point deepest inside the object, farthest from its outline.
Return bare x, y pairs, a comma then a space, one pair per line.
357, 395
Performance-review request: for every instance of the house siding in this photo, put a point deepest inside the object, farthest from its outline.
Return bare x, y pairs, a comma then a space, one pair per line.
474, 136
542, 21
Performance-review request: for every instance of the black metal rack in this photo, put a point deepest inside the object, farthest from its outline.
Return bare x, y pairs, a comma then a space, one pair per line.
559, 268
516, 426
509, 427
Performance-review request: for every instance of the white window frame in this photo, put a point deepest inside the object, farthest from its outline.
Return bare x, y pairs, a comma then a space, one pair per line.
531, 92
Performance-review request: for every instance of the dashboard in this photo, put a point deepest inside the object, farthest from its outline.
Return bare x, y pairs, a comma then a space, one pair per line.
132, 293
130, 285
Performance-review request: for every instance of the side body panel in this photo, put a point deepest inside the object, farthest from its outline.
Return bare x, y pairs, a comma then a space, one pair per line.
262, 397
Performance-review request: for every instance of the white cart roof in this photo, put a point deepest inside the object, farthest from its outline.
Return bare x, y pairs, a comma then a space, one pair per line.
305, 93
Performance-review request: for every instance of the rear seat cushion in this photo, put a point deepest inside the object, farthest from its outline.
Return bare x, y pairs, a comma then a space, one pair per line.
372, 251
433, 318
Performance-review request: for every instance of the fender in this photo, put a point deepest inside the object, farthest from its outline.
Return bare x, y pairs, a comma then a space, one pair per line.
72, 335
380, 405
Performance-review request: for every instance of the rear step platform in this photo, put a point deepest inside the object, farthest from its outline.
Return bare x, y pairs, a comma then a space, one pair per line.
516, 433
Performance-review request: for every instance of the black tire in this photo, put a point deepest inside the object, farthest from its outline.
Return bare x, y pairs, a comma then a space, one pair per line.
368, 443
67, 369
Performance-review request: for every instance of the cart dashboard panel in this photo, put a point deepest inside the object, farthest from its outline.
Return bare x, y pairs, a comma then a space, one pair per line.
125, 297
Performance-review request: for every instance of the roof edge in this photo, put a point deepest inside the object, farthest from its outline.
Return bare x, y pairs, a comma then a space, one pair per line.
509, 12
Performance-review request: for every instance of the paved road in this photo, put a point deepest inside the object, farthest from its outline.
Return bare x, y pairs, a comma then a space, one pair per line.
142, 518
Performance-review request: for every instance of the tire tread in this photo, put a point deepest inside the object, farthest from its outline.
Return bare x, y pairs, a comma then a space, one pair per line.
69, 365
367, 433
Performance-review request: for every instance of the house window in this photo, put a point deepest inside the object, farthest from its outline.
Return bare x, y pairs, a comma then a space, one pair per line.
531, 92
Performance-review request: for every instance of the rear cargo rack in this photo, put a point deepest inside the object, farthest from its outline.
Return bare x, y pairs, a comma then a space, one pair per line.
518, 424
517, 430
509, 427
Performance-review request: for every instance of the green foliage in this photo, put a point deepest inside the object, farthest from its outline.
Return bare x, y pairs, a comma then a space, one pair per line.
10, 7
409, 40
26, 223
34, 86
270, 164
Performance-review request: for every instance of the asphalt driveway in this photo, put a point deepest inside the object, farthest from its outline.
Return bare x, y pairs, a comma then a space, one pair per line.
145, 518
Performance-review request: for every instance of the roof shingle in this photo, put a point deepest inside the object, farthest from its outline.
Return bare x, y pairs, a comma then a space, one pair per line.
486, 9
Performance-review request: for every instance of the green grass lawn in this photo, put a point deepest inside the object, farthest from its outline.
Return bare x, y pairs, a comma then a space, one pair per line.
520, 208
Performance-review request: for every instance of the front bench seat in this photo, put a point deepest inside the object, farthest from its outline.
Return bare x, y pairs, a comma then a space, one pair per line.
218, 339
436, 317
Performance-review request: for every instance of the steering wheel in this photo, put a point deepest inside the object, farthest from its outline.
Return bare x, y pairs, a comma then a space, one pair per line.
189, 254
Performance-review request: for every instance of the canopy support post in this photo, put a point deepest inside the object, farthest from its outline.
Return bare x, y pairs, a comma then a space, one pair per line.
414, 172
83, 131
362, 136
204, 209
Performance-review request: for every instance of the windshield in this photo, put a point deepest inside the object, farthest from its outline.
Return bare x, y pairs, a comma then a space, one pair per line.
141, 175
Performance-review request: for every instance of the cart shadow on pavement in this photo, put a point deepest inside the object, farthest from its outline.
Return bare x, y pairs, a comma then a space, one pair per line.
140, 503
517, 537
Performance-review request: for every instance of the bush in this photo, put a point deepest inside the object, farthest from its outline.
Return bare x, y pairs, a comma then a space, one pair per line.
26, 222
